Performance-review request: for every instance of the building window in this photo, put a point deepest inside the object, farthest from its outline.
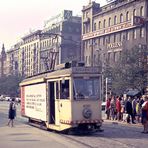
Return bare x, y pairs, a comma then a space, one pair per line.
86, 59
142, 32
95, 60
103, 40
94, 42
134, 12
99, 25
104, 23
99, 41
89, 60
141, 11
87, 14
114, 38
127, 16
109, 22
108, 39
94, 26
115, 20
121, 18
127, 35
120, 37
134, 34
115, 57
109, 57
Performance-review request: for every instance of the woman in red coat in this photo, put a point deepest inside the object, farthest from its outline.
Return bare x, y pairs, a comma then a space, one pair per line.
118, 108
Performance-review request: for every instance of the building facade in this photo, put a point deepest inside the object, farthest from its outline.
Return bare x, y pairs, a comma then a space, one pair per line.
13, 60
29, 54
61, 40
42, 50
58, 42
9, 61
108, 30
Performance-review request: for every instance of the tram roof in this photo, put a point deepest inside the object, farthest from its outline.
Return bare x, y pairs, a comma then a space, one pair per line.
60, 73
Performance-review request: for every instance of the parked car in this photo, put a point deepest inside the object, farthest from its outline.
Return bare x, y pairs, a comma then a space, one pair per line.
7, 98
18, 100
2, 98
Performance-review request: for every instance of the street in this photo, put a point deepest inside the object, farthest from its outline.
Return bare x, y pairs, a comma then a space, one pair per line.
115, 134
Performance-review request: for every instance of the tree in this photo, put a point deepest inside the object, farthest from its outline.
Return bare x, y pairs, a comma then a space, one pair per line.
129, 72
10, 85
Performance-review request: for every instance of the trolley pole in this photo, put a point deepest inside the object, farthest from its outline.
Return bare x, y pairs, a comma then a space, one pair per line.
106, 80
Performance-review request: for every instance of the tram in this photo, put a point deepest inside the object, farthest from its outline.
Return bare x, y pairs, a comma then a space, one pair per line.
68, 98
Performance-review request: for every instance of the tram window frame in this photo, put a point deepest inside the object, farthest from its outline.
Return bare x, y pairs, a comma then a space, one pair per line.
57, 90
86, 97
64, 86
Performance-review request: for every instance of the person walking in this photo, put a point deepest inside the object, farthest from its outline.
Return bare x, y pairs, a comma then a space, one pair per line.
12, 112
145, 115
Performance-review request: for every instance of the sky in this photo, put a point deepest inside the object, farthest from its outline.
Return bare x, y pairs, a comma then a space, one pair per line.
17, 17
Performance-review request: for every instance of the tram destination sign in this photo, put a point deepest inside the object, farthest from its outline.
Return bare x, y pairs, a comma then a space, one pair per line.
86, 70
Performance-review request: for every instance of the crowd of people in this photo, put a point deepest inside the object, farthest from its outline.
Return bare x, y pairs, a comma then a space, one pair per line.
131, 110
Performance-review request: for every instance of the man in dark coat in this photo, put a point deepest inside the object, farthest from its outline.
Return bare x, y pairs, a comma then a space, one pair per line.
129, 110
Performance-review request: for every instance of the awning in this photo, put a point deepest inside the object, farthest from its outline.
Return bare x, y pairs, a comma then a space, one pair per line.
133, 92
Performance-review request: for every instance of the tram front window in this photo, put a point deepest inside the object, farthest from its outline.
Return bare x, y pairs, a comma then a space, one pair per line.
64, 87
86, 88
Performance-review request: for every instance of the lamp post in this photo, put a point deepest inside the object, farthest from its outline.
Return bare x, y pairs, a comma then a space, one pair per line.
106, 88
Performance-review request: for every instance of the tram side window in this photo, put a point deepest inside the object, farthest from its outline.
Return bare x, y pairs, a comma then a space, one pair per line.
64, 89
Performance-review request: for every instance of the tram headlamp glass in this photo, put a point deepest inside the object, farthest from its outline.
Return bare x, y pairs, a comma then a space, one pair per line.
87, 113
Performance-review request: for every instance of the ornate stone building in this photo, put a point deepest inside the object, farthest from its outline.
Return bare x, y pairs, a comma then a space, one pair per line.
107, 30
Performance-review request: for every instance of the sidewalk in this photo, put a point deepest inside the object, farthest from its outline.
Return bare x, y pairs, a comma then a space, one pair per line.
123, 123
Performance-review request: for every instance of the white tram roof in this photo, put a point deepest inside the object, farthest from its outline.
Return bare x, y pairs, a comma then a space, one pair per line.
61, 73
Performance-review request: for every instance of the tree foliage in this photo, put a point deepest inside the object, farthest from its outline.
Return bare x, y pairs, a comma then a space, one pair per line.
10, 85
129, 72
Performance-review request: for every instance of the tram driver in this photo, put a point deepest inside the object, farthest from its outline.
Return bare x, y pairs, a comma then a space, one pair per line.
65, 94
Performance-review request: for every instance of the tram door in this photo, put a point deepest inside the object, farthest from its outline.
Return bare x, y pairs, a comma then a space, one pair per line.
51, 96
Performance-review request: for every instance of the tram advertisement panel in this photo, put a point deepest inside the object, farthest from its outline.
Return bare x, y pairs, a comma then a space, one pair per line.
35, 101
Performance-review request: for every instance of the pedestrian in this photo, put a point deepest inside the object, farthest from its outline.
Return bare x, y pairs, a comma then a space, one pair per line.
108, 108
134, 102
145, 115
129, 110
12, 112
118, 108
113, 108
138, 111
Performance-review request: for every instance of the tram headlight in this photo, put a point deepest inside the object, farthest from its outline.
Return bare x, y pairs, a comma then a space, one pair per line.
87, 113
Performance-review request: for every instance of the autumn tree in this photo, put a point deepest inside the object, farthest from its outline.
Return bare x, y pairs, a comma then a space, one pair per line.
128, 72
